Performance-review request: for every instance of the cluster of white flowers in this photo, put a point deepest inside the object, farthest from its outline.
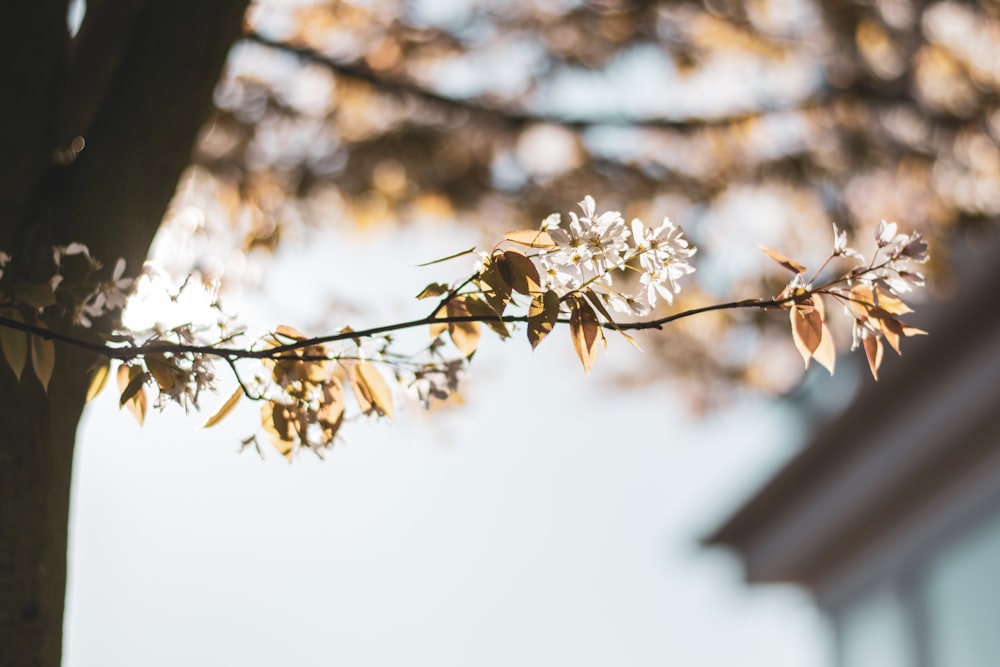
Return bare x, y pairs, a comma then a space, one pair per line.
891, 268
187, 377
103, 298
109, 296
4, 259
592, 246
437, 381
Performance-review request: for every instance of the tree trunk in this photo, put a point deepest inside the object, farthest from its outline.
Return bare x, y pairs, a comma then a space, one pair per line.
136, 85
36, 456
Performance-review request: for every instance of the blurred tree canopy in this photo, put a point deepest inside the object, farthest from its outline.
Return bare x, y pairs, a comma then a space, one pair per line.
744, 121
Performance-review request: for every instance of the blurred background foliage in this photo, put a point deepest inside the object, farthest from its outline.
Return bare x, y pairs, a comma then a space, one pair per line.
746, 121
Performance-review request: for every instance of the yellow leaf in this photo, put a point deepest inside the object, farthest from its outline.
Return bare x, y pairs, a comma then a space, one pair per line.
787, 263
584, 330
98, 379
438, 329
137, 405
532, 238
225, 409
465, 335
43, 359
890, 303
161, 371
331, 411
15, 346
433, 290
866, 299
276, 419
370, 387
290, 333
826, 353
130, 381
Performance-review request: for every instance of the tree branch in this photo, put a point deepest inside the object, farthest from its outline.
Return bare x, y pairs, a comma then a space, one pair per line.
127, 352
518, 118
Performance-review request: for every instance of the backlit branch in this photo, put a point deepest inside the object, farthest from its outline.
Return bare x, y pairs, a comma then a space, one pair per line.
573, 273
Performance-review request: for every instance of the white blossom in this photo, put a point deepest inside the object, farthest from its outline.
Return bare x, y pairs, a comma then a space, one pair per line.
840, 248
592, 246
107, 297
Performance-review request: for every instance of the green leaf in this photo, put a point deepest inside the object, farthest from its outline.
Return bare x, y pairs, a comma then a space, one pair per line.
98, 380
433, 290
14, 344
445, 259
36, 295
43, 359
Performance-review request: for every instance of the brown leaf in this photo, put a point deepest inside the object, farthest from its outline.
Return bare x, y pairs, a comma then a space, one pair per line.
584, 330
787, 263
873, 351
519, 272
495, 289
532, 238
599, 306
478, 308
807, 329
133, 397
225, 408
892, 331
542, 315
43, 359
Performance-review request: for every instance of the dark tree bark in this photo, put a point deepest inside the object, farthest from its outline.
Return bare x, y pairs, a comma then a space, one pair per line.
136, 85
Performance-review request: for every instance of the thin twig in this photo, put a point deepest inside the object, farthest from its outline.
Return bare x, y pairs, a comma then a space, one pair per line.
231, 354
